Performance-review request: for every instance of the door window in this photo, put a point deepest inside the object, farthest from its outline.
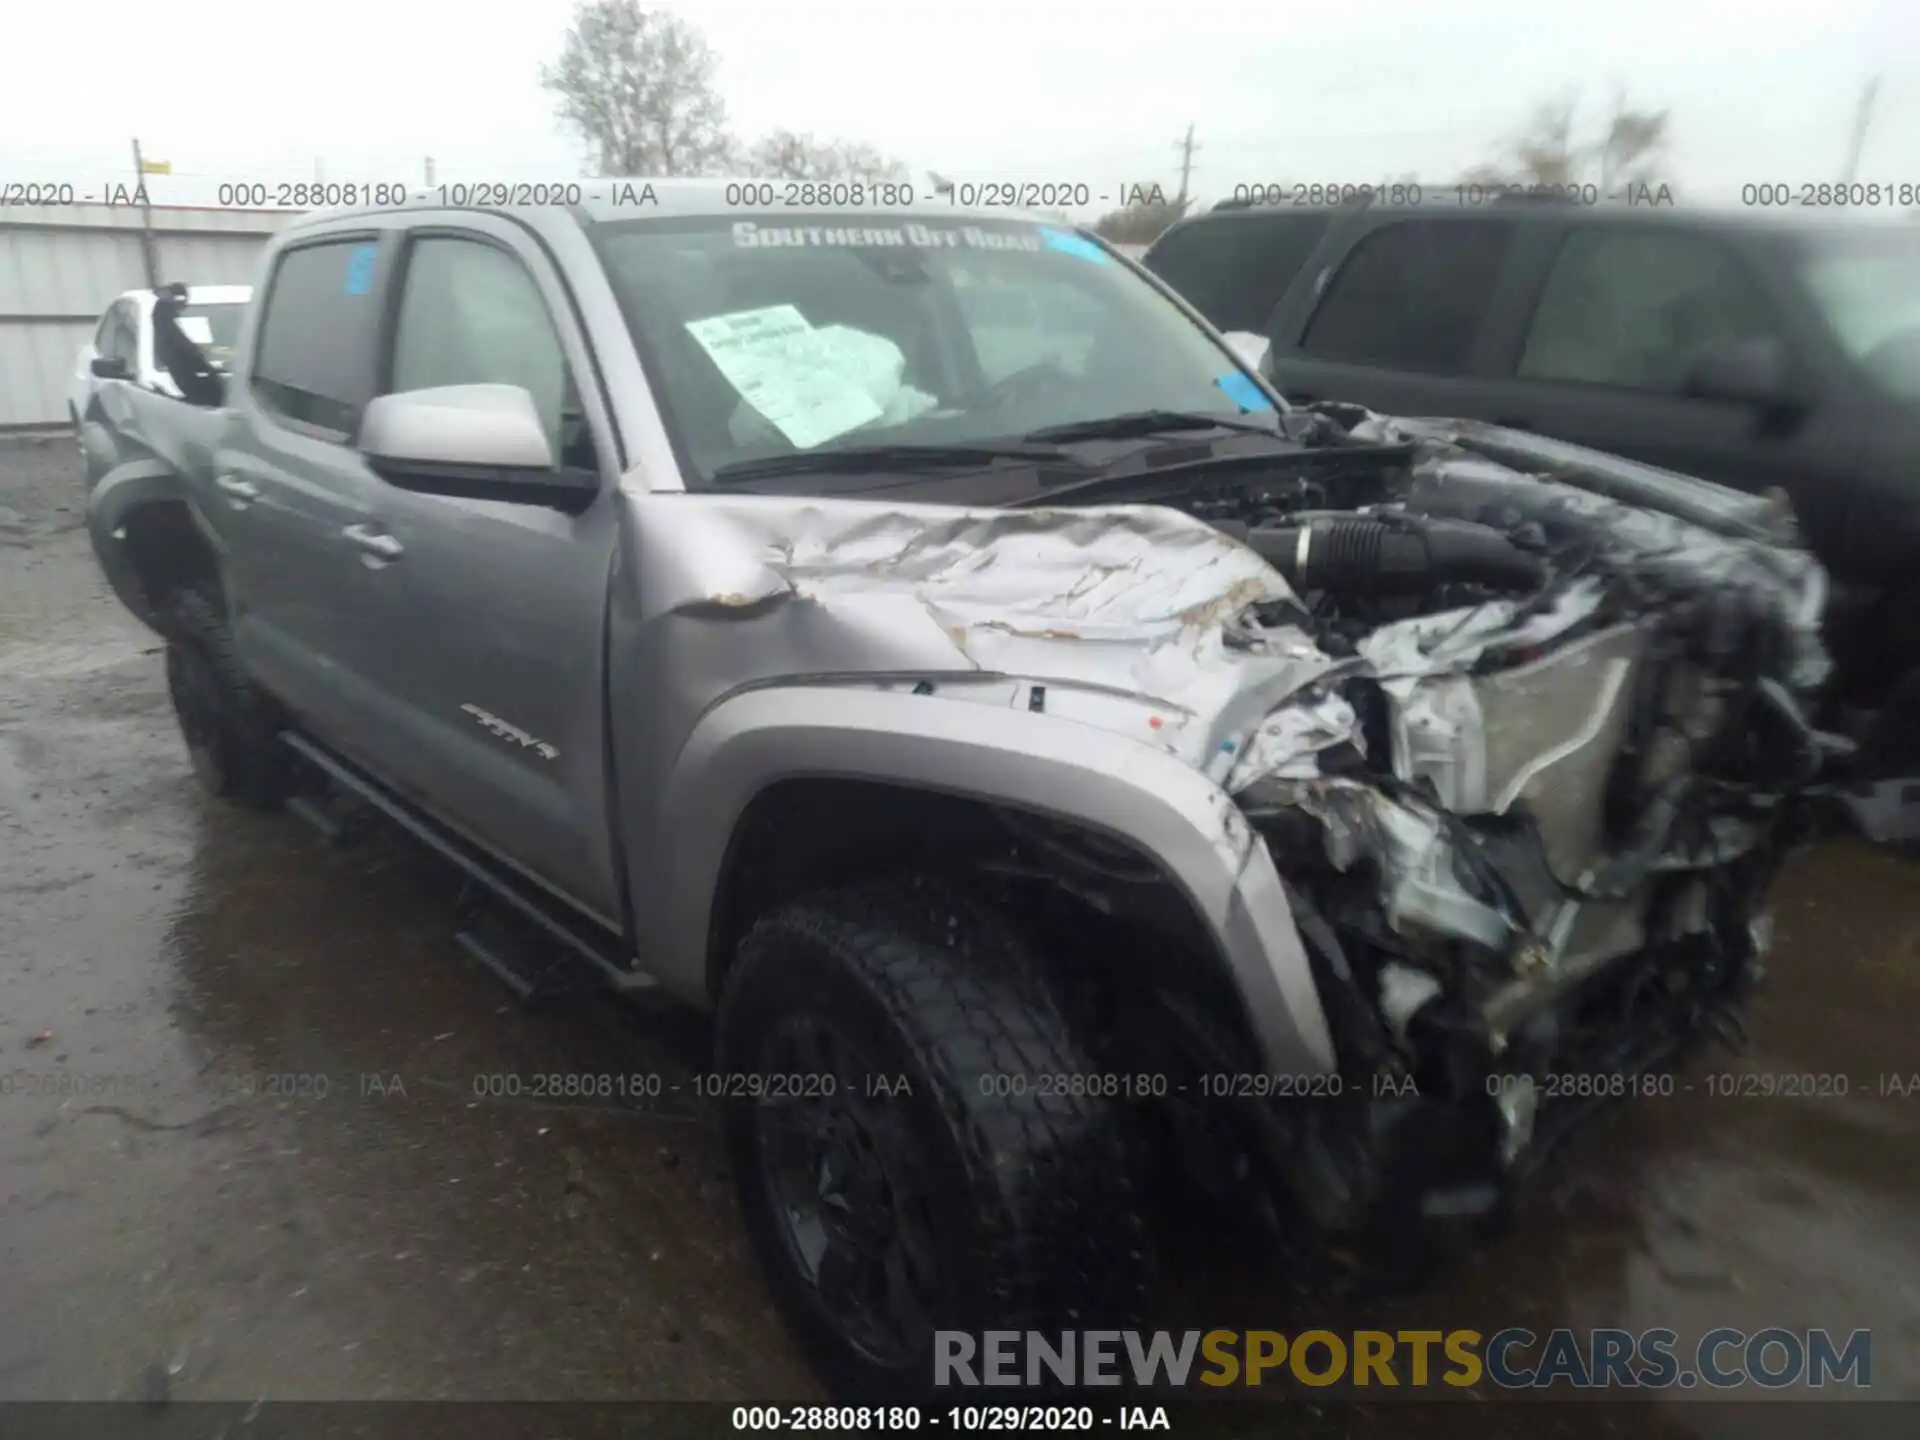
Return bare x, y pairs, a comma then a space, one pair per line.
314, 359
470, 314
1638, 309
1411, 295
1233, 268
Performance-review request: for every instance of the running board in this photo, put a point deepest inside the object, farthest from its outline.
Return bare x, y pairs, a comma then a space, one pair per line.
340, 819
528, 963
603, 957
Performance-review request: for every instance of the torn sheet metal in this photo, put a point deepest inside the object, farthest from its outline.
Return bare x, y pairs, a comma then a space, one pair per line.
1153, 624
1132, 617
1697, 534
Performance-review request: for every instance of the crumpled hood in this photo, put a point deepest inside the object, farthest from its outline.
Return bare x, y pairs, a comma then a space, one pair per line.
1142, 619
1131, 617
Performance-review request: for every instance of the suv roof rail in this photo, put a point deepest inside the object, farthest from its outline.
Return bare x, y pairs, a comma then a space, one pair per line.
1248, 202
1534, 194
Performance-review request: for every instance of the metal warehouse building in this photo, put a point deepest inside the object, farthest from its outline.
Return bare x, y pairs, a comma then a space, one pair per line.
62, 265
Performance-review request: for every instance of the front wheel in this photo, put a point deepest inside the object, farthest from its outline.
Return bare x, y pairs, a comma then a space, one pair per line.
227, 724
912, 1151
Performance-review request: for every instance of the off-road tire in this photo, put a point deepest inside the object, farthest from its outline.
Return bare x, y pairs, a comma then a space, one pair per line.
1038, 1222
228, 725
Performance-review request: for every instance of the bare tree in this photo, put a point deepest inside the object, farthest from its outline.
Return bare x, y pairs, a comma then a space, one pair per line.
1629, 150
638, 86
1633, 151
786, 155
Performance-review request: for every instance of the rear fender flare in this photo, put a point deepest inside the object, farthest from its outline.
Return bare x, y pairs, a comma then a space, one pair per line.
113, 505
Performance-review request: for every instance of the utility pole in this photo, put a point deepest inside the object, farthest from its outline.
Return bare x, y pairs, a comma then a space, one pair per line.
1186, 148
1863, 117
146, 217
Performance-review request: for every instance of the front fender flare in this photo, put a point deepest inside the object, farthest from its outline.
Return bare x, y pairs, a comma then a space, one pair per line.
1052, 766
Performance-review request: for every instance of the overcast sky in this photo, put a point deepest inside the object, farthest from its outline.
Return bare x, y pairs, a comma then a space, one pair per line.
1067, 91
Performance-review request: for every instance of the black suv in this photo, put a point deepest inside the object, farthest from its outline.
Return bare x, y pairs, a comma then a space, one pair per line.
1746, 348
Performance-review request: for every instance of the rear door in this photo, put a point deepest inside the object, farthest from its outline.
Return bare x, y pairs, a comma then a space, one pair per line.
492, 677
1399, 318
1621, 315
310, 595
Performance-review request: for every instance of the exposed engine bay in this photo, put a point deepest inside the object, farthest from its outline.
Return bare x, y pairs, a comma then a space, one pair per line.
1536, 792
1568, 693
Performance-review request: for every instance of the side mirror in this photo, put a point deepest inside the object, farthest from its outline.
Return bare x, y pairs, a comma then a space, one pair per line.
1746, 372
112, 367
1255, 351
483, 442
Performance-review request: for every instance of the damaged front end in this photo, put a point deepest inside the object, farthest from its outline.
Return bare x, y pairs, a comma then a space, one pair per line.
1519, 727
1533, 865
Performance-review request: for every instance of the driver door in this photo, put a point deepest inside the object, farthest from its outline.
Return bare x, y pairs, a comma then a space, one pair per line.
499, 622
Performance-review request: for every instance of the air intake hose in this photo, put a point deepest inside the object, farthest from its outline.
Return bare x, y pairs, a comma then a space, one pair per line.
1358, 554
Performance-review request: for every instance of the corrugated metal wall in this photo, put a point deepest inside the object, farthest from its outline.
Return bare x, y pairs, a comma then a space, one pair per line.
61, 265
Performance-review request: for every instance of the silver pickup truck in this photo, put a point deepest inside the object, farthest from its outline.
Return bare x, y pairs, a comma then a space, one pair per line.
916, 636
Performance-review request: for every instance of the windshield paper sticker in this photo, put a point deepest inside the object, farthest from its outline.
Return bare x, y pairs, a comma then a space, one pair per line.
748, 236
1243, 392
780, 366
360, 270
1078, 246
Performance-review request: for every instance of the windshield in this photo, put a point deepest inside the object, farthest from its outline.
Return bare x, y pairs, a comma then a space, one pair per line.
772, 336
214, 328
1867, 285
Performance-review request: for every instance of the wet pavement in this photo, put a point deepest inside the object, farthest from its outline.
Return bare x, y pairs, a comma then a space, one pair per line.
248, 1146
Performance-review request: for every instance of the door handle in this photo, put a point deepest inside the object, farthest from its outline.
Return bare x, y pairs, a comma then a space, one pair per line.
241, 492
374, 542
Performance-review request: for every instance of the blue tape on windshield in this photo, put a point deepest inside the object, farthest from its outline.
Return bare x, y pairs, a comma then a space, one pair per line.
1078, 246
1243, 392
360, 270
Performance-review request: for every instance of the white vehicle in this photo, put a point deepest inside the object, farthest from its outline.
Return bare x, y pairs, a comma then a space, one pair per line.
211, 320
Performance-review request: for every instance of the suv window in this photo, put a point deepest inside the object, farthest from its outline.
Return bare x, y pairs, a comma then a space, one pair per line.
470, 314
1866, 285
1234, 269
1636, 309
1411, 295
314, 358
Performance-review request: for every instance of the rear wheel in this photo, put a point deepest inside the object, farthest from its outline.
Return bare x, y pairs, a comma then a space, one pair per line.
911, 1150
227, 724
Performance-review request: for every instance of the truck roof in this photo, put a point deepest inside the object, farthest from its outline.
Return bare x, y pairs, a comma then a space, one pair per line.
605, 199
